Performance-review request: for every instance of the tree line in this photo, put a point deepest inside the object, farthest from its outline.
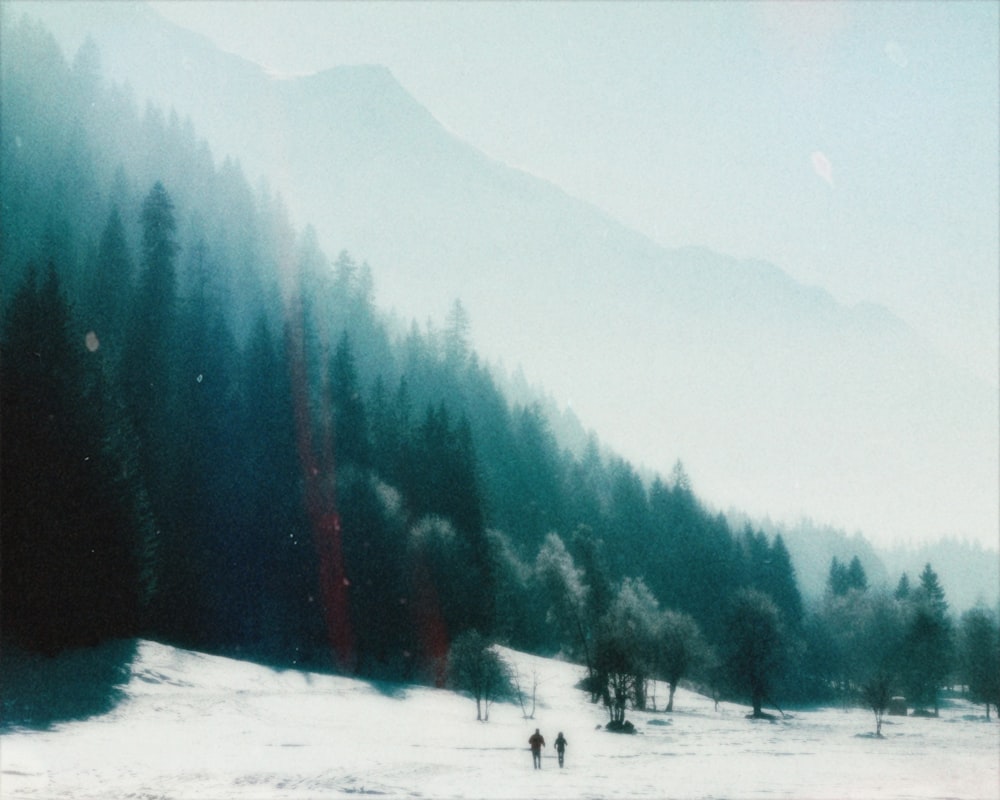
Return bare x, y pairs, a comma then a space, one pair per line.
211, 436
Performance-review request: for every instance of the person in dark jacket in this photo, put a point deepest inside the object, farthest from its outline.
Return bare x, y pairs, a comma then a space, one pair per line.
561, 747
537, 742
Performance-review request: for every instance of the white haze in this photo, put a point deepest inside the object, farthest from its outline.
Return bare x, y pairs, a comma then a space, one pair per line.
853, 148
197, 726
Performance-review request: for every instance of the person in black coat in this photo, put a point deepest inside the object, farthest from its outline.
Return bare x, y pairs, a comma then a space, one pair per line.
561, 747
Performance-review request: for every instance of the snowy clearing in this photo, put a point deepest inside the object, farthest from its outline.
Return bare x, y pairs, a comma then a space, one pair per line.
199, 726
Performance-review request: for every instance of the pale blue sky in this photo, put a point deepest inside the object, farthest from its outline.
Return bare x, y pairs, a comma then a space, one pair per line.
700, 123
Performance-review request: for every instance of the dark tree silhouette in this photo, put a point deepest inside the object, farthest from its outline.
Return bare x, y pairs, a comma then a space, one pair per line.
71, 546
145, 372
681, 649
110, 284
927, 644
979, 655
476, 667
756, 645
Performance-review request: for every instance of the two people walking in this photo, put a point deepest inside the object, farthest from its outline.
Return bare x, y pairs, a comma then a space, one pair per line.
537, 742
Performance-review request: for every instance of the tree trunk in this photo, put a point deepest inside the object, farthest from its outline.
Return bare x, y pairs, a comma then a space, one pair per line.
639, 690
670, 700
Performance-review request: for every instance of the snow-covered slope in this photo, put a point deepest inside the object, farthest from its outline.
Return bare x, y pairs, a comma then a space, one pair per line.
199, 726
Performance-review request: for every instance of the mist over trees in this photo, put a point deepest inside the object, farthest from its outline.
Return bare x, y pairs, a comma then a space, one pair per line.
212, 436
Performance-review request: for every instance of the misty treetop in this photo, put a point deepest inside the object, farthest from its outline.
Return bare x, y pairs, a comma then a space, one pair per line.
212, 436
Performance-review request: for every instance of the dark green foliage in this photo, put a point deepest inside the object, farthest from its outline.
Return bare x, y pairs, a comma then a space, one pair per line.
680, 650
857, 646
856, 578
926, 657
520, 620
979, 657
845, 578
279, 617
756, 648
110, 284
72, 555
146, 364
274, 470
376, 562
40, 691
350, 422
927, 647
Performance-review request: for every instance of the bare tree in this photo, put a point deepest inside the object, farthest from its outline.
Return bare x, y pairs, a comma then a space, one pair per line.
519, 689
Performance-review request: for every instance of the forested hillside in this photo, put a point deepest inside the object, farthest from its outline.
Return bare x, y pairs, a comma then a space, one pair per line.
211, 436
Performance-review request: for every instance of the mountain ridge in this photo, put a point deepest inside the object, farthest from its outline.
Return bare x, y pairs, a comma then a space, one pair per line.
778, 398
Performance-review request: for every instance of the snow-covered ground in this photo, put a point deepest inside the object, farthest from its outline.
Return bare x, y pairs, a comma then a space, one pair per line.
198, 726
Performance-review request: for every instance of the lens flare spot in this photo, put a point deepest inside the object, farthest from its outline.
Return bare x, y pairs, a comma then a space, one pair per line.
822, 166
91, 341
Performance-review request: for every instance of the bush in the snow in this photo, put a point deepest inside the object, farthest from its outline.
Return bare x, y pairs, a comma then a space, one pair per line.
474, 666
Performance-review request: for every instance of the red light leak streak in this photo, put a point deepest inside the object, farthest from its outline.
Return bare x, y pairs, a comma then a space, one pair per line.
430, 625
319, 479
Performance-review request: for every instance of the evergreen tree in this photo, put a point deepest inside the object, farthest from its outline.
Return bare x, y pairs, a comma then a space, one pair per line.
980, 657
350, 422
146, 364
930, 593
390, 435
111, 284
206, 554
282, 616
856, 578
927, 645
456, 336
781, 584
629, 533
838, 582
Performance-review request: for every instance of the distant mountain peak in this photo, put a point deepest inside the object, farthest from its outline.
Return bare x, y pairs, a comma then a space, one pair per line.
371, 87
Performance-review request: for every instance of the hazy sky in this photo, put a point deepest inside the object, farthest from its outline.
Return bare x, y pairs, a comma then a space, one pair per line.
855, 145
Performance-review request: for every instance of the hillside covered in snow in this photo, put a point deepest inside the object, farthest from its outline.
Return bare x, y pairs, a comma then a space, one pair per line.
190, 725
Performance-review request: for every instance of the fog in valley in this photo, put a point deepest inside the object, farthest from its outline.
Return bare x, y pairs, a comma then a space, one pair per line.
440, 346
789, 331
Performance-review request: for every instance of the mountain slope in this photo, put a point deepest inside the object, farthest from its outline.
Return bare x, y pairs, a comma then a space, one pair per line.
778, 399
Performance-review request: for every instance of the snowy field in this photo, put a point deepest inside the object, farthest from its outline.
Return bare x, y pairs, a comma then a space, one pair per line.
197, 726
